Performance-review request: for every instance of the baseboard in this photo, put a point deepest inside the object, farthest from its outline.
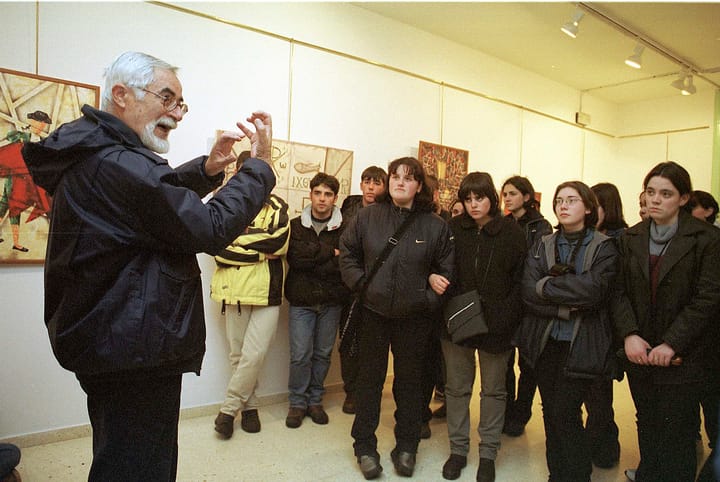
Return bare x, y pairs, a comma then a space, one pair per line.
69, 433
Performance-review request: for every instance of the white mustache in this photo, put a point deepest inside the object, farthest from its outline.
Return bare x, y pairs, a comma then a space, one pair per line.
168, 122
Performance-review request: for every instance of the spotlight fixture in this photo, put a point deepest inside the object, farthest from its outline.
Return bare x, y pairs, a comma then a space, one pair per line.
635, 60
684, 84
571, 27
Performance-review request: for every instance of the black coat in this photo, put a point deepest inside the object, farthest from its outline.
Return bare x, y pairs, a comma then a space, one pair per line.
314, 275
687, 296
122, 282
583, 298
501, 243
400, 288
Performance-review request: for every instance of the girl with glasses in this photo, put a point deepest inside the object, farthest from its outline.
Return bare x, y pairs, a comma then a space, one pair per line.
566, 330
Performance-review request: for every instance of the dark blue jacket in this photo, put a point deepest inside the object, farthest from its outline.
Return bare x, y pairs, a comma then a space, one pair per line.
122, 283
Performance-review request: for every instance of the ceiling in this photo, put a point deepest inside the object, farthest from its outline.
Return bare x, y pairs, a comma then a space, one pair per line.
528, 35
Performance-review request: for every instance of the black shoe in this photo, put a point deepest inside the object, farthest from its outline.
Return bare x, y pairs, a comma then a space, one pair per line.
250, 421
453, 467
513, 427
349, 404
22, 249
295, 417
440, 412
404, 462
486, 470
224, 424
425, 430
370, 466
318, 414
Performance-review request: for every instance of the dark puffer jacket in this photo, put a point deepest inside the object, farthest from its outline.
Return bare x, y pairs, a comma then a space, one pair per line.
501, 243
122, 283
314, 276
583, 298
534, 225
688, 296
400, 288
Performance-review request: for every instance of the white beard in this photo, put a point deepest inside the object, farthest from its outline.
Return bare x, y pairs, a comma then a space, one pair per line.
153, 142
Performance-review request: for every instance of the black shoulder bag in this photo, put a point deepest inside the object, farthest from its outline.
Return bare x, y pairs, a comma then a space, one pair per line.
350, 323
463, 313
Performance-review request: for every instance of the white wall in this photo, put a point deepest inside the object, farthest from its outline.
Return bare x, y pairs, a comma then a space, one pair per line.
337, 101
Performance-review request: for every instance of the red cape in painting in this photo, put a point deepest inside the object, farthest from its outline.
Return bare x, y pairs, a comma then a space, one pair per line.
25, 194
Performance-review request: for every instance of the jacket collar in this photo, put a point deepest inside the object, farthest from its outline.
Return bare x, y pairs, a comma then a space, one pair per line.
120, 131
683, 241
332, 225
492, 228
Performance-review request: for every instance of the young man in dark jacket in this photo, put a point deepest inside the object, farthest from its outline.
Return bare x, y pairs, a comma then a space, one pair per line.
316, 294
123, 296
373, 182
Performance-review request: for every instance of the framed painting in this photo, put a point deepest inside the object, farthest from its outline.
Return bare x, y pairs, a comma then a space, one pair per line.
295, 164
31, 106
448, 164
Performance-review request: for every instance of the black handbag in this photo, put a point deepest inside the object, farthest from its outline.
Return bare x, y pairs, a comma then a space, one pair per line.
463, 313
464, 317
351, 320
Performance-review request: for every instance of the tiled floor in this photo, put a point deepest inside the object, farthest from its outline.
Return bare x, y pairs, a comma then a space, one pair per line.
314, 452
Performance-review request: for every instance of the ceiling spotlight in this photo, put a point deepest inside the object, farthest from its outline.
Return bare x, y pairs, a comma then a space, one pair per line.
635, 60
684, 83
571, 28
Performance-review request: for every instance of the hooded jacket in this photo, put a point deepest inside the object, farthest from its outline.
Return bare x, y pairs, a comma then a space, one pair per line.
314, 276
581, 298
122, 282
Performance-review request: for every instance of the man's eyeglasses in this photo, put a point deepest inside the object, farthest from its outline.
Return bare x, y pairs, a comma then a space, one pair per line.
169, 102
569, 201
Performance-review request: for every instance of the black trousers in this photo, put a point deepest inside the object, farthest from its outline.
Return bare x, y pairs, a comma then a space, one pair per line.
566, 443
666, 429
433, 371
519, 404
408, 338
602, 430
135, 424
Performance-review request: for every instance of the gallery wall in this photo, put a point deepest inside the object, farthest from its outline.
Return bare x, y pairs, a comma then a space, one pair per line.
351, 80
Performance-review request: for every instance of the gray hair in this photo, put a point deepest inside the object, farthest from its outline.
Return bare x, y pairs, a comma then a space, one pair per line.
134, 69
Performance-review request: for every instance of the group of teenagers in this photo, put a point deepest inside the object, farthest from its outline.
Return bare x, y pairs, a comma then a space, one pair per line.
585, 304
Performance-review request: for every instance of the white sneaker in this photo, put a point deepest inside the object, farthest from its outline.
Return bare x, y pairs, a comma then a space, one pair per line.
630, 474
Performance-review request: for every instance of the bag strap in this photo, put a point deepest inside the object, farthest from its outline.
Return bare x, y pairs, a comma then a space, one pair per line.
392, 242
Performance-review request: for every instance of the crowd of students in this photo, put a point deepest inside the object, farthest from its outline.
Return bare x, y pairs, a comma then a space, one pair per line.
587, 303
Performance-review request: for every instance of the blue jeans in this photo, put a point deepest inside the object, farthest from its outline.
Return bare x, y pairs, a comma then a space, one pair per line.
312, 331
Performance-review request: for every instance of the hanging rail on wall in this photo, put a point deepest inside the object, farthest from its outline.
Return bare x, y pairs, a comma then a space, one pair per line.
391, 68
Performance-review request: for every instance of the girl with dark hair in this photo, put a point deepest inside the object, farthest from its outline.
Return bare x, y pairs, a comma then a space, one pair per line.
671, 282
489, 253
703, 206
519, 198
611, 220
566, 331
400, 307
456, 208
